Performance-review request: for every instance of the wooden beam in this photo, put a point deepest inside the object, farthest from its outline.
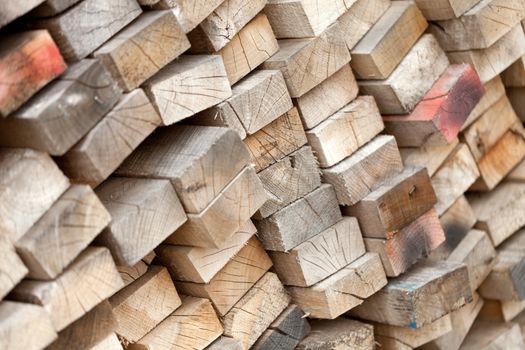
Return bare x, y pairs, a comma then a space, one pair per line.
499, 212
88, 330
11, 10
435, 10
30, 182
110, 141
256, 310
52, 7
225, 343
131, 273
17, 319
136, 311
438, 117
430, 157
372, 164
70, 296
396, 203
314, 213
212, 227
514, 76
486, 334
320, 256
339, 136
505, 281
411, 301
305, 63
410, 81
276, 140
257, 100
236, 278
28, 61
111, 342
328, 97
286, 331
12, 269
63, 112
140, 50
481, 26
342, 332
193, 158
99, 21
518, 174
200, 265
454, 177
514, 95
188, 85
494, 90
410, 244
193, 325
144, 213
249, 48
62, 233
388, 41
501, 310
495, 59
288, 180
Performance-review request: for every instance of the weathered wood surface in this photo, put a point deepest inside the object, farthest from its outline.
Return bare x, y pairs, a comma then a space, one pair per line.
257, 100
219, 28
343, 333
276, 140
395, 204
328, 97
314, 213
495, 59
64, 111
249, 48
481, 26
52, 7
143, 48
340, 135
143, 304
62, 233
388, 41
305, 63
502, 310
494, 90
200, 265
30, 182
19, 320
88, 330
225, 343
438, 117
232, 207
454, 177
256, 310
28, 61
194, 160
236, 278
499, 212
320, 256
514, 76
411, 80
343, 290
11, 10
493, 335
410, 300
194, 325
90, 279
288, 180
435, 10
12, 269
430, 157
82, 28
111, 342
144, 213
108, 143
188, 85
514, 94
410, 244
361, 173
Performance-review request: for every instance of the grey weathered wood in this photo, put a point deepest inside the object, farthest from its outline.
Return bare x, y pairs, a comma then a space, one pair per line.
11, 10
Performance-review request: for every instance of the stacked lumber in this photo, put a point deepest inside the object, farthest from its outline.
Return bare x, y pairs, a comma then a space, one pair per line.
262, 174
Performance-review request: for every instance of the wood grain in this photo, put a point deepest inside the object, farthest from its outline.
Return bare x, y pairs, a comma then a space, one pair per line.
342, 332
12, 268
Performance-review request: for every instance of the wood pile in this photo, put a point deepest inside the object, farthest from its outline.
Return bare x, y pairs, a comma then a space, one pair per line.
262, 174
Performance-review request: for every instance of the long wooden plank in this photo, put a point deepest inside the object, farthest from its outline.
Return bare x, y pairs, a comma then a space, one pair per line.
64, 111
141, 49
99, 20
361, 173
28, 61
486, 334
314, 213
320, 256
514, 76
193, 158
428, 156
12, 269
30, 182
187, 86
494, 90
52, 7
438, 117
90, 279
62, 233
342, 332
435, 10
11, 10
144, 213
